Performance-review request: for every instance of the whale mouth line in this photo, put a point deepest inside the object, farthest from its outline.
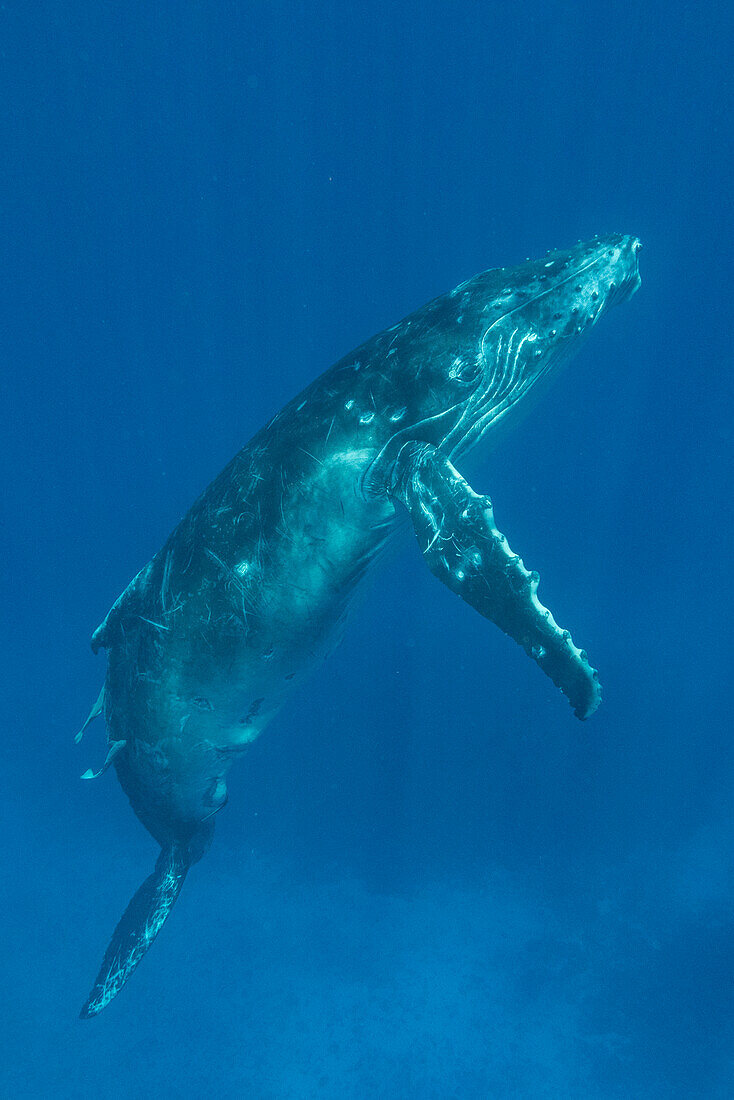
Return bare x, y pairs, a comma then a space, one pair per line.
630, 282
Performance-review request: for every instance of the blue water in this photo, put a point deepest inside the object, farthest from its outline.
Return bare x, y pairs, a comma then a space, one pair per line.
430, 881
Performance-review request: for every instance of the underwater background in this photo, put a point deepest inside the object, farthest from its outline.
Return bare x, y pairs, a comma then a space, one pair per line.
430, 881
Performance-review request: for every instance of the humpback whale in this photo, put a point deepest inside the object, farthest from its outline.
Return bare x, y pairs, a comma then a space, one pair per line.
250, 591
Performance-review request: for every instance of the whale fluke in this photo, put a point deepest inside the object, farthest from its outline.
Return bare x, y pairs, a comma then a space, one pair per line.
139, 926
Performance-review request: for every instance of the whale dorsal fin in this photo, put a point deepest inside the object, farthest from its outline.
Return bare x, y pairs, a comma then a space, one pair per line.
463, 548
138, 927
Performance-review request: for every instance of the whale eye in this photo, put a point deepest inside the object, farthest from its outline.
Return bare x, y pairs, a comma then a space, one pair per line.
464, 370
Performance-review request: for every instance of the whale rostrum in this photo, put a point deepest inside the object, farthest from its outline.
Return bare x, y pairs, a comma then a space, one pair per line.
250, 591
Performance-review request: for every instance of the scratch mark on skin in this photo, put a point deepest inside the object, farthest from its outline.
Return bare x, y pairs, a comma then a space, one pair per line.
227, 570
159, 626
318, 460
166, 579
189, 560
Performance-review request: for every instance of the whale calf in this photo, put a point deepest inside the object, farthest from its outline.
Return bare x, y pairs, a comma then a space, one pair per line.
250, 591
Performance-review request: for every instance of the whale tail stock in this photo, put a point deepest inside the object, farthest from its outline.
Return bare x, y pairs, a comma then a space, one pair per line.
140, 924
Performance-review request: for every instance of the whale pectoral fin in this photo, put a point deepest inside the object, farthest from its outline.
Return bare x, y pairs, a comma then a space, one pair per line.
463, 548
138, 927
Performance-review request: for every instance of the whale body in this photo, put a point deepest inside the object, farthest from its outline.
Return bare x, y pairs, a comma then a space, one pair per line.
250, 591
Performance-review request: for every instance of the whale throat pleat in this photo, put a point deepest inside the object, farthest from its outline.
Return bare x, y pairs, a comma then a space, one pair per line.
463, 548
138, 927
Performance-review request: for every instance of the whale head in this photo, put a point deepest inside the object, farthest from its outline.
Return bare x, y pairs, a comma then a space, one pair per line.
465, 364
524, 321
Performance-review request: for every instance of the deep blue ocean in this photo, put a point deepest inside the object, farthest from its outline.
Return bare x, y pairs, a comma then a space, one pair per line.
431, 880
